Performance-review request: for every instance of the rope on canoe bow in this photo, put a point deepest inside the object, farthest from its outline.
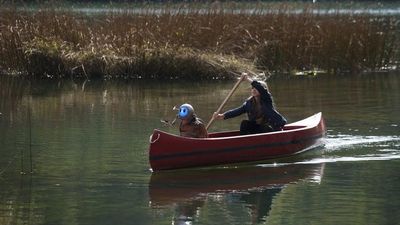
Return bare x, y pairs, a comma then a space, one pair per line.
151, 137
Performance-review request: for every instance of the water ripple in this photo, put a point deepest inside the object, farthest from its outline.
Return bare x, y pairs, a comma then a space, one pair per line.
338, 142
353, 159
350, 148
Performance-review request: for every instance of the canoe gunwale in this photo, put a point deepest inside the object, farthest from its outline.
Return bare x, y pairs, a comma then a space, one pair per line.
294, 127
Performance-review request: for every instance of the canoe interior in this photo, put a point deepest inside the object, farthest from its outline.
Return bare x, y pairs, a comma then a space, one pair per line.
237, 133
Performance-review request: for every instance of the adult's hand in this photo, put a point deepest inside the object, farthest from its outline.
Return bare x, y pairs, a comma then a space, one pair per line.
218, 116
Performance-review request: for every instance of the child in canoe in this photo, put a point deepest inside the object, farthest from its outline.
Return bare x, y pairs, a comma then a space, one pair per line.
191, 125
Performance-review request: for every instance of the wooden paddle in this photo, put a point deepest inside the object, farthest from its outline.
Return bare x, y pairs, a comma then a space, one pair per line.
224, 102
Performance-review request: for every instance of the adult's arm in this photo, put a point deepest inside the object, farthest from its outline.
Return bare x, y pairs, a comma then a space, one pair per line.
235, 112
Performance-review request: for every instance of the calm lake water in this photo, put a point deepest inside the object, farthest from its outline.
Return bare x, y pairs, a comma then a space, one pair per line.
88, 147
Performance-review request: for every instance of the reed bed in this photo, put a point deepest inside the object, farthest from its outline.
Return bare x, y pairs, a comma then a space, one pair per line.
193, 43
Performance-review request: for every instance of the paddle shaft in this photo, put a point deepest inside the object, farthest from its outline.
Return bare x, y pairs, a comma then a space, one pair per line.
224, 102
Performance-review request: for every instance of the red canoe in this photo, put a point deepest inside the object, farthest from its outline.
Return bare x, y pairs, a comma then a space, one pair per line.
168, 151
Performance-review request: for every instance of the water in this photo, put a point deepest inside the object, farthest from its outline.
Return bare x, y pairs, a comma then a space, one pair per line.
89, 145
321, 8
253, 11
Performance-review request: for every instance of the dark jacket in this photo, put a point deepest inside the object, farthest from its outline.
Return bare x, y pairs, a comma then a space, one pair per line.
274, 118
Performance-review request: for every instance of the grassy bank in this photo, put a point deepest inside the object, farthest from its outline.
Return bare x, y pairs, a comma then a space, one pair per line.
52, 43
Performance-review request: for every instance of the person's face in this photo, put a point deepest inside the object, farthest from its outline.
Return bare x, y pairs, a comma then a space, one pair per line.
254, 92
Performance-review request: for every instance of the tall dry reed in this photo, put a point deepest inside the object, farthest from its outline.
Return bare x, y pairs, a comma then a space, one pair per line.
194, 44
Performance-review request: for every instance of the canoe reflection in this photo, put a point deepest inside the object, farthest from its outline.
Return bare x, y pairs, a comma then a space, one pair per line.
255, 186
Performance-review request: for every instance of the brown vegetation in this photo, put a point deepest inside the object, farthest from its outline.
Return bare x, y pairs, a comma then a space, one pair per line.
196, 45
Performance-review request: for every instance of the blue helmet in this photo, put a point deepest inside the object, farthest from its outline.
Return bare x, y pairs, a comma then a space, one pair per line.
185, 111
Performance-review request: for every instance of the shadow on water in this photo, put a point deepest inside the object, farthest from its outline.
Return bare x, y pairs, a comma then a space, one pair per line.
253, 186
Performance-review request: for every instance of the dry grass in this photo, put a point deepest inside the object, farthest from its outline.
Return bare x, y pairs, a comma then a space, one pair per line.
196, 45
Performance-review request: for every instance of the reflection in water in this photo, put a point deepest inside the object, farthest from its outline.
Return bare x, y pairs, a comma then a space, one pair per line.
12, 112
258, 202
186, 212
11, 93
255, 187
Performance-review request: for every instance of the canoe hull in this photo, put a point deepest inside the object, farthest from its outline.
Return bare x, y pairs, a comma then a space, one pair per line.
169, 151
